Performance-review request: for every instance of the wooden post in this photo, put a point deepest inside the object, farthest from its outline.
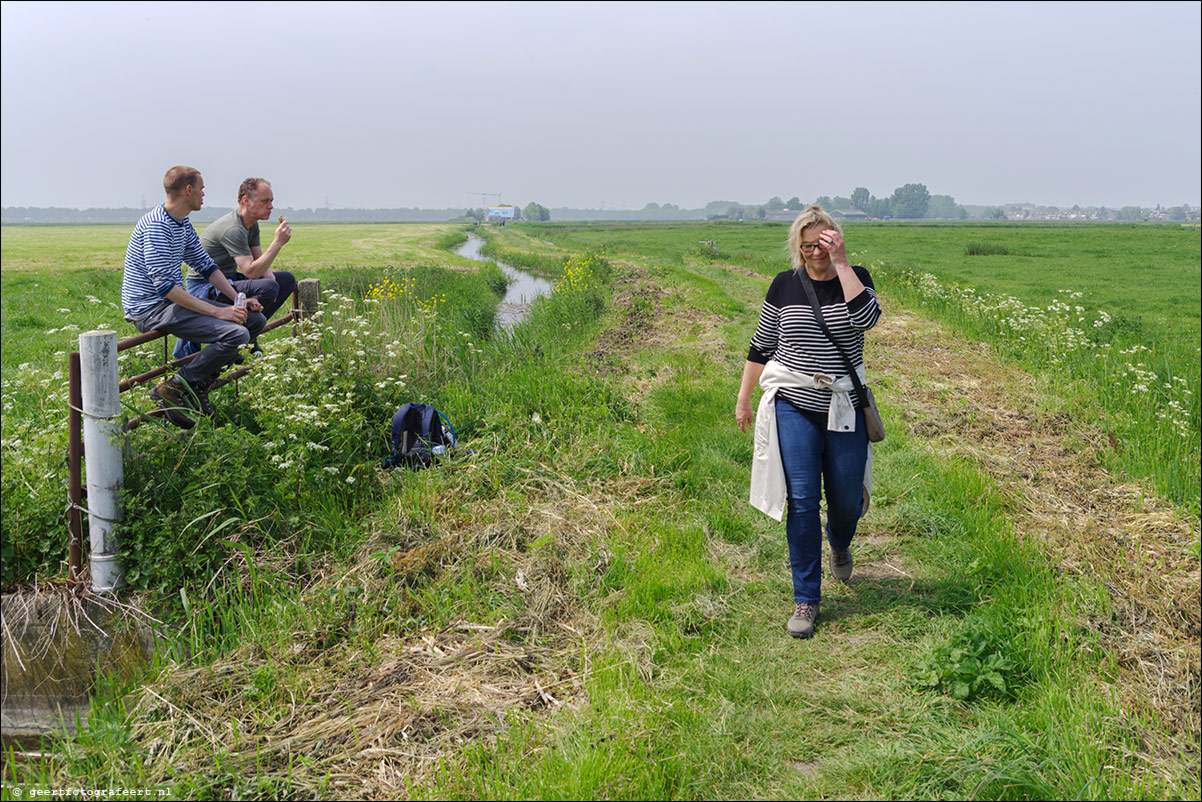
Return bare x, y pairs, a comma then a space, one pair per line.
305, 302
101, 397
309, 290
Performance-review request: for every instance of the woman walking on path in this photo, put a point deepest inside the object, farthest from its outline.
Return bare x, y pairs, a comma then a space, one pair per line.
811, 406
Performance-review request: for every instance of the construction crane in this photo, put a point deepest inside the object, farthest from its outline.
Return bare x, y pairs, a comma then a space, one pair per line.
485, 195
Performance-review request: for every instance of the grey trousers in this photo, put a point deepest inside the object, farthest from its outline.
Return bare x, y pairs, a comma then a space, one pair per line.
224, 337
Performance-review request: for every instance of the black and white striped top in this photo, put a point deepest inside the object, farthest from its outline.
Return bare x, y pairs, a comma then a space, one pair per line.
789, 334
158, 247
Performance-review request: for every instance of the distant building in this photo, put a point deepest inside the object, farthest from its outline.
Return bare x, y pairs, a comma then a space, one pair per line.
500, 214
784, 215
849, 214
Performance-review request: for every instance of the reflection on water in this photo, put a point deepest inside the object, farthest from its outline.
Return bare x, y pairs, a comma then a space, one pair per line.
524, 288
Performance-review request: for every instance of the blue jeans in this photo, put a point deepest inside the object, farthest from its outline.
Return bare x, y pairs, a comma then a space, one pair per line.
815, 457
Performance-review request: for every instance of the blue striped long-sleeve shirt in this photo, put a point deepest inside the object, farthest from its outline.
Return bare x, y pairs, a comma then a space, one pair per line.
789, 333
158, 247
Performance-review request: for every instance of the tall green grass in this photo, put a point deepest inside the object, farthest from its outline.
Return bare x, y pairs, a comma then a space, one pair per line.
1149, 396
293, 449
295, 478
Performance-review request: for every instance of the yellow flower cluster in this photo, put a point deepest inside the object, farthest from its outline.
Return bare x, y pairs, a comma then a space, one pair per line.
431, 305
403, 291
580, 272
389, 290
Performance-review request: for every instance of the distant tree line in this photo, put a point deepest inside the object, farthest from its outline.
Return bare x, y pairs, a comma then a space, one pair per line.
914, 202
31, 214
907, 202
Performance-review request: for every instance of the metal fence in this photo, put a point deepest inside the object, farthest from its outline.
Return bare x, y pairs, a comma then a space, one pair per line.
304, 301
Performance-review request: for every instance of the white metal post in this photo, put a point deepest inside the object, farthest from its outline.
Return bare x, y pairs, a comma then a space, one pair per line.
102, 438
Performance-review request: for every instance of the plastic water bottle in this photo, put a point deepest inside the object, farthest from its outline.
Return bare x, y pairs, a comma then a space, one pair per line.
240, 300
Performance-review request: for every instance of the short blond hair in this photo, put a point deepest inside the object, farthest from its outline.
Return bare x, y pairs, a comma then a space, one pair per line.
811, 216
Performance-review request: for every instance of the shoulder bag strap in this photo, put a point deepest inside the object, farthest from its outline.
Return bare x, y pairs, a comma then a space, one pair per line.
851, 370
427, 431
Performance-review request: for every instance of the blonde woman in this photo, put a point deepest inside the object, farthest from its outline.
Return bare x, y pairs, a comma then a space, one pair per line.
810, 406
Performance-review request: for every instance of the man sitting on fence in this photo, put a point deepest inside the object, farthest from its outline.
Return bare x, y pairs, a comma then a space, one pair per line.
233, 242
153, 296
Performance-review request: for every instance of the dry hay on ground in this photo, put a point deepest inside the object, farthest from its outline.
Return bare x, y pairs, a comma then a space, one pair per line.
965, 401
370, 733
636, 307
373, 718
642, 324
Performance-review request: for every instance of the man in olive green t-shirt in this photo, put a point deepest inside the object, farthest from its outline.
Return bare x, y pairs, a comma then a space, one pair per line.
233, 242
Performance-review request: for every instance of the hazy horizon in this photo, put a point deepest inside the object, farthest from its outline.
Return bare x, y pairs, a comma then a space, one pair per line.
211, 209
602, 105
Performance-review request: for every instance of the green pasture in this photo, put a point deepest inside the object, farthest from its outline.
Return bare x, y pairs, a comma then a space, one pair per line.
1133, 289
1148, 272
314, 246
1111, 311
1153, 272
50, 249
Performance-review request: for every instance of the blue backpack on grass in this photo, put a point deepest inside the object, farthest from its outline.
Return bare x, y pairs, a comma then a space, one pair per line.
419, 434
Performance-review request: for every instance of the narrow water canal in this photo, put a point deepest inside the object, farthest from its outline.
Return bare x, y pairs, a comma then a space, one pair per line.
524, 287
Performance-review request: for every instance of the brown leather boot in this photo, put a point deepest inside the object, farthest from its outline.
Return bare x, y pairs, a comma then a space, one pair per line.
200, 389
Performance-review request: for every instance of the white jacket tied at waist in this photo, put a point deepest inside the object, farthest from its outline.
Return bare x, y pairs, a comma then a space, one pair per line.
768, 490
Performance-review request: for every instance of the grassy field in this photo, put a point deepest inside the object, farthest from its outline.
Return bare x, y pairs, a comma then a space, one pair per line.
1112, 311
43, 249
584, 606
1149, 271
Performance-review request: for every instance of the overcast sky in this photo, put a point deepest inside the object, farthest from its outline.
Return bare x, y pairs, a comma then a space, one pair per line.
591, 104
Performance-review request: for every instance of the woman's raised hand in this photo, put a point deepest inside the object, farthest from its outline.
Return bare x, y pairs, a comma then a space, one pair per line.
832, 243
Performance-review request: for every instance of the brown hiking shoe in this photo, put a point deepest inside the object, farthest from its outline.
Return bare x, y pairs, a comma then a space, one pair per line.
841, 564
801, 625
173, 397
